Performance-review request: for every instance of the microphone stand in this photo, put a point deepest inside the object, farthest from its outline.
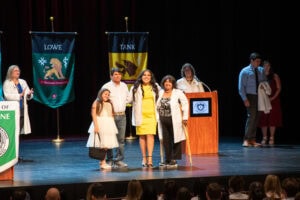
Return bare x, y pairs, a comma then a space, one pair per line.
206, 86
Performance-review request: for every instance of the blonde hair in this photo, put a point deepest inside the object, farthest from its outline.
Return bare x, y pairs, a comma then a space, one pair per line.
272, 184
134, 190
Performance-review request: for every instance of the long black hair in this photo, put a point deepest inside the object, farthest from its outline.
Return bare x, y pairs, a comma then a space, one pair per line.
139, 82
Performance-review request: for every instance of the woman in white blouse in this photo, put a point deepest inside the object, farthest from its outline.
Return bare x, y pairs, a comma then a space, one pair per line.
16, 89
189, 82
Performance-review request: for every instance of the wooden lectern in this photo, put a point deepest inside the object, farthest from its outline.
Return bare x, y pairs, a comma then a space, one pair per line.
203, 124
7, 174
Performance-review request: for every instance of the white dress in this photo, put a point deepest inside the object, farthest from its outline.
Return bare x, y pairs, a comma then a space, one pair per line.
108, 130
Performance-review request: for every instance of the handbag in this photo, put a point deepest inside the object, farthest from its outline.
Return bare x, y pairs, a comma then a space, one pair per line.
97, 152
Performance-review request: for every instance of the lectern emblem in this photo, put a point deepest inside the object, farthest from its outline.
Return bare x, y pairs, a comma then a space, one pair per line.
4, 141
200, 107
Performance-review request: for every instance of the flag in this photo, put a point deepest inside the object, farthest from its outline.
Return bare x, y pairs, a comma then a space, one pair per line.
9, 134
53, 63
1, 90
128, 51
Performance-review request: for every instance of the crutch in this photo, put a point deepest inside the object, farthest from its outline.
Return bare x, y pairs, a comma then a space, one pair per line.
188, 143
161, 151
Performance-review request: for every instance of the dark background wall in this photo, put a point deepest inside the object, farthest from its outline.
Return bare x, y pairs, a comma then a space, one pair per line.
216, 36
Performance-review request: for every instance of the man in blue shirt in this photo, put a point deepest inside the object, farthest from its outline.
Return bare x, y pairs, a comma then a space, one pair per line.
247, 87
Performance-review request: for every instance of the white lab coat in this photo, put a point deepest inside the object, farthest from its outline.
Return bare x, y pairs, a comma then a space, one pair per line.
179, 112
263, 92
11, 93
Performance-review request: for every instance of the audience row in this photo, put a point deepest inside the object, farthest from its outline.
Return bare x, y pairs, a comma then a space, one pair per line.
272, 188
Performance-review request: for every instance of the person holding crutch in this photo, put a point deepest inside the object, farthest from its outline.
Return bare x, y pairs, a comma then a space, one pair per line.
172, 107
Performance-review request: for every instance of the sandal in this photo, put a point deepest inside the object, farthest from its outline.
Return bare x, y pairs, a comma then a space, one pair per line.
264, 141
150, 163
144, 162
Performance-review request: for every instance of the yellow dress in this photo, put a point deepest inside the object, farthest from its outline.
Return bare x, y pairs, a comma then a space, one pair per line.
149, 122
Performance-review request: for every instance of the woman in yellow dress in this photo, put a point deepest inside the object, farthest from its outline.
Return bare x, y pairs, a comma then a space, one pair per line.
143, 96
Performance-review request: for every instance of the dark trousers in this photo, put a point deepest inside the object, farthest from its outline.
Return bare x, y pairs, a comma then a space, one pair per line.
172, 150
252, 118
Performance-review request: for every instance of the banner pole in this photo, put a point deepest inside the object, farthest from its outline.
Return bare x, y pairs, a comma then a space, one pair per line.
52, 25
58, 139
126, 23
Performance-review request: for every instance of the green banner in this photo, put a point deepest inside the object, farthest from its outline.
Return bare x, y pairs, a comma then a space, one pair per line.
9, 134
53, 63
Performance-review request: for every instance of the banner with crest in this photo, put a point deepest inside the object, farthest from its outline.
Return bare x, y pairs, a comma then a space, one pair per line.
129, 52
53, 62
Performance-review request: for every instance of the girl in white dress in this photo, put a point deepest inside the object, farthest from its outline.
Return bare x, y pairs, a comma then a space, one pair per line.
103, 124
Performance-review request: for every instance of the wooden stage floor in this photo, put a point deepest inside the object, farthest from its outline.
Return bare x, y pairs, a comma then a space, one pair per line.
67, 166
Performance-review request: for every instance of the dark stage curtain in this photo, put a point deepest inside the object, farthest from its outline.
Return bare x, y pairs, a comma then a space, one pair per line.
217, 37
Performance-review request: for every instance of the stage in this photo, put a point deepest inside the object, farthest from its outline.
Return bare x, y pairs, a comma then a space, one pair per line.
67, 166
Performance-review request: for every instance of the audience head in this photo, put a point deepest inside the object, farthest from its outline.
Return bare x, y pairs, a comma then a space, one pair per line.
149, 192
96, 191
236, 184
256, 191
20, 194
183, 194
297, 196
272, 183
213, 191
290, 186
52, 194
134, 190
198, 188
170, 189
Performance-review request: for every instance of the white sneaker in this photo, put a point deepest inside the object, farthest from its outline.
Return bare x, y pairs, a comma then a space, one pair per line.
172, 165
